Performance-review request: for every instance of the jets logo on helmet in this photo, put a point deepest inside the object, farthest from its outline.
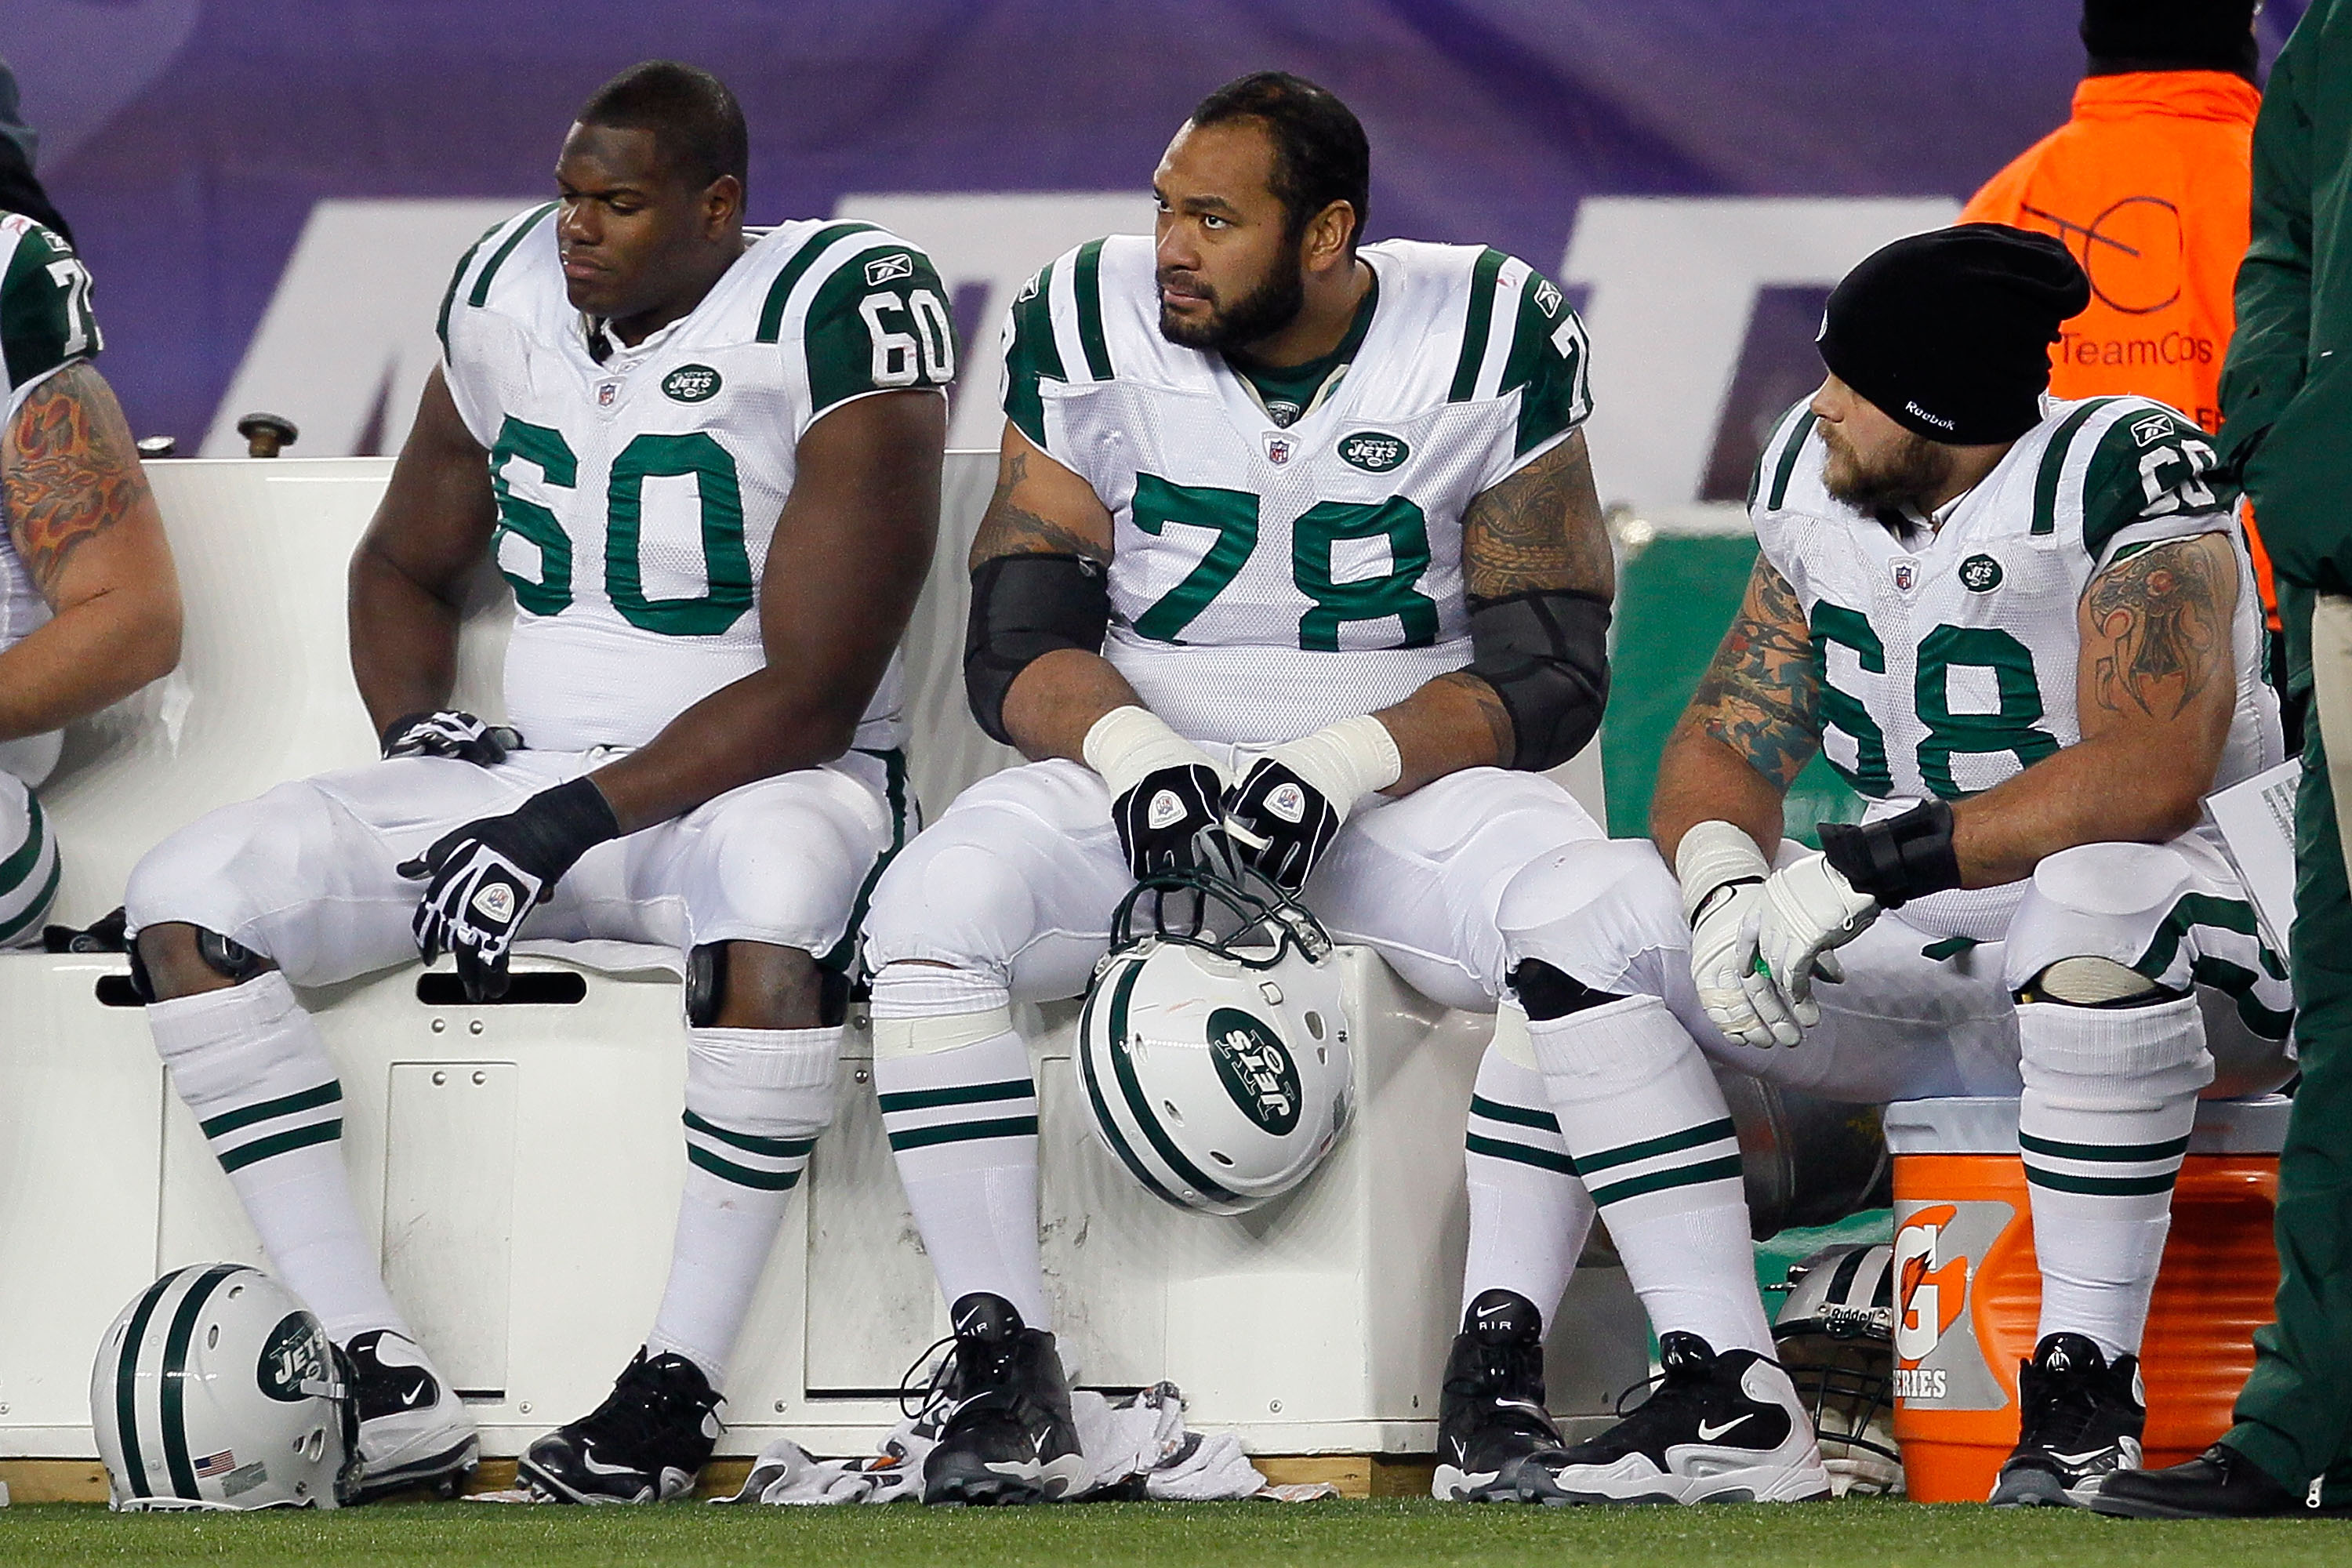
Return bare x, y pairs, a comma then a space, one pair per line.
1254, 1070
216, 1389
1215, 1044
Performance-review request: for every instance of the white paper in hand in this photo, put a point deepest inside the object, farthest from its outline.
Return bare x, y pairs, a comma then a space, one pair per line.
2256, 817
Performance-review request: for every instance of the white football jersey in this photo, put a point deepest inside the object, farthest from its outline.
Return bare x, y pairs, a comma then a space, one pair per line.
1267, 580
45, 325
636, 496
1949, 658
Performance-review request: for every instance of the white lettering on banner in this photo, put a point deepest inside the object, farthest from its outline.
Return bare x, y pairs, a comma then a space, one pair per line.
350, 330
1673, 282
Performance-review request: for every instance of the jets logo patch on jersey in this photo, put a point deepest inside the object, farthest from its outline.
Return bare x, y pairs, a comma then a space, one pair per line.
692, 383
1373, 452
1979, 573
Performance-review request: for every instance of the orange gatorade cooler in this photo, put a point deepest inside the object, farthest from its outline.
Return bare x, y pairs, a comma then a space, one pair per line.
1969, 1296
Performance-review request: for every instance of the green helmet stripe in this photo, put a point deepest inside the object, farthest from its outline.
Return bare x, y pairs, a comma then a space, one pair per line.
126, 1387
1141, 1103
175, 1391
1102, 1109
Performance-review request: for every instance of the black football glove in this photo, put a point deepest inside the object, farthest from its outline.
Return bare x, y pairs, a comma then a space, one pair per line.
486, 875
1168, 821
450, 733
1279, 823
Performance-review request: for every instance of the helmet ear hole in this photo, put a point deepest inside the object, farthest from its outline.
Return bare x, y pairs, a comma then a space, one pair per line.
1221, 1158
1314, 1025
1168, 1108
212, 1338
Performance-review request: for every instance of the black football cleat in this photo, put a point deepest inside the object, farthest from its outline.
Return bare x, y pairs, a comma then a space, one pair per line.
646, 1443
1725, 1428
2219, 1483
414, 1430
2080, 1419
1493, 1431
1007, 1437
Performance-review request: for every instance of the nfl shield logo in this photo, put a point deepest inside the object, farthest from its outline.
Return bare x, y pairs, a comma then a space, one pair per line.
1905, 574
606, 392
1278, 449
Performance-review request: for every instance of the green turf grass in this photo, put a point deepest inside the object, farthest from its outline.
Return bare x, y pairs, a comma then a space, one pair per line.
1340, 1534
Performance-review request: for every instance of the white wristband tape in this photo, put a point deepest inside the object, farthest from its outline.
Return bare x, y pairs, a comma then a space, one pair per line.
1128, 743
1714, 853
1345, 760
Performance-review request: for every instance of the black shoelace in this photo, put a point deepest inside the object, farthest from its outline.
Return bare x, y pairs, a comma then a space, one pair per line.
2064, 1413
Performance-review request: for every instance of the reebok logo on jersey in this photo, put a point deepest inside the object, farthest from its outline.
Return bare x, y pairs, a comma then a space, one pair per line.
1547, 296
496, 902
1979, 573
1288, 802
1373, 452
2147, 432
882, 268
691, 384
1165, 811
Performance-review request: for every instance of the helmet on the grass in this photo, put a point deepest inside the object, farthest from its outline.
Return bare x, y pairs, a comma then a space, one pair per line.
1214, 1043
217, 1389
1835, 1335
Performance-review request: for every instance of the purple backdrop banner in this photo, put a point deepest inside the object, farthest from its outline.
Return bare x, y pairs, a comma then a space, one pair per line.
258, 183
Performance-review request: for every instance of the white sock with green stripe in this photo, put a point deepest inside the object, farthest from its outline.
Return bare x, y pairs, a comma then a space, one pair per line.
1646, 1125
29, 867
1528, 1212
248, 1061
2110, 1096
755, 1102
961, 1112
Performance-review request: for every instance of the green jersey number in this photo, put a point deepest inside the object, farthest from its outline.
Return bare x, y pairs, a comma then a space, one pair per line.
2013, 729
726, 566
1232, 517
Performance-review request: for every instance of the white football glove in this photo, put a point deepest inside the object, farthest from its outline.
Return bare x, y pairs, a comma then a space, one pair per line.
1722, 873
1808, 908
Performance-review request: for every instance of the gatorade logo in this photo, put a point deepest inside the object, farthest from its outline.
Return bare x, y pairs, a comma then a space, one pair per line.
1938, 1249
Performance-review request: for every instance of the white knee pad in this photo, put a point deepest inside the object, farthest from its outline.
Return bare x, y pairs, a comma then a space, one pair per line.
203, 874
767, 1083
952, 903
1592, 909
2094, 901
2114, 1057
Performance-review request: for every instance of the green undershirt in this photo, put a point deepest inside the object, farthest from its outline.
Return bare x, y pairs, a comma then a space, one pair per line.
1287, 392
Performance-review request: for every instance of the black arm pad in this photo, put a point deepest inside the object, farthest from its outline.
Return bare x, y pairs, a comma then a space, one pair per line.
1897, 858
1023, 608
1546, 654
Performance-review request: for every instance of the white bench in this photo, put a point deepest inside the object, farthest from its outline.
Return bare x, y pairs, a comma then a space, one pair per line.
522, 1163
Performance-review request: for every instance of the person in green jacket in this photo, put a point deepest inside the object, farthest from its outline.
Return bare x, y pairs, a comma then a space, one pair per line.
2286, 404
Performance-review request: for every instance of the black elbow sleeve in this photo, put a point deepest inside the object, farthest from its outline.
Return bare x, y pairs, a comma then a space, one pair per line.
1546, 654
1024, 607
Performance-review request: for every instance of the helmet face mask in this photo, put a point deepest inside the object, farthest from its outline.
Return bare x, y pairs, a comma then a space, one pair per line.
214, 1388
1214, 1046
1835, 1336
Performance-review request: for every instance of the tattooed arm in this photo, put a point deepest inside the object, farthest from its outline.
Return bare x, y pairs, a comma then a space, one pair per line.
83, 521
1541, 527
1041, 508
1751, 726
2157, 687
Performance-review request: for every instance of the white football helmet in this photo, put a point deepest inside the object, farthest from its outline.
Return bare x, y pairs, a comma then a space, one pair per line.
1217, 1067
217, 1389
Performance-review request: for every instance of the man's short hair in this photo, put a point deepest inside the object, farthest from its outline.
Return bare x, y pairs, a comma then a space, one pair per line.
1320, 154
694, 119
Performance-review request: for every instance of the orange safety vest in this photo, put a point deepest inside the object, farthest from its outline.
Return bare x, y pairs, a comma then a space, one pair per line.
2149, 184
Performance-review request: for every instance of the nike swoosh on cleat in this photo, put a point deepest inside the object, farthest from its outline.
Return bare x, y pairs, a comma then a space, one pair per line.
416, 1396
1708, 1434
596, 1467
2077, 1461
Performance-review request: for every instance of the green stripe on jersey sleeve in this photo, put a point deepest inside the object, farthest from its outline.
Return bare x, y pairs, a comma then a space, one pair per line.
879, 322
1548, 366
45, 315
1774, 454
2149, 464
1031, 355
1477, 324
457, 279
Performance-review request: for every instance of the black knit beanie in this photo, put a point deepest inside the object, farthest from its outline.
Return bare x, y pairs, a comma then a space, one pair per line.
1949, 331
2170, 35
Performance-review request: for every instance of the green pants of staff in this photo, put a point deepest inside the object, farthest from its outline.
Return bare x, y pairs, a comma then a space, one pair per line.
2294, 1416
